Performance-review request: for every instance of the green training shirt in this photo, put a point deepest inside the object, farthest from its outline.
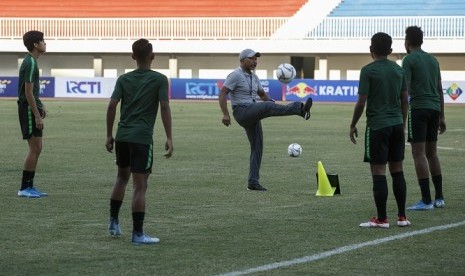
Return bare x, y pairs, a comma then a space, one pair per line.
140, 92
29, 72
383, 81
423, 73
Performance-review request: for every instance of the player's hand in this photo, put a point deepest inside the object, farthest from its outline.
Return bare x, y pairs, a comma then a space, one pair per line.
442, 126
168, 148
39, 123
109, 143
226, 120
43, 113
353, 134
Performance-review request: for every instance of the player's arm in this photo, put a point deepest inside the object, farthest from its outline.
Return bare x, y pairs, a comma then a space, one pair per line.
404, 100
358, 111
111, 114
224, 105
28, 87
262, 94
442, 117
404, 106
166, 119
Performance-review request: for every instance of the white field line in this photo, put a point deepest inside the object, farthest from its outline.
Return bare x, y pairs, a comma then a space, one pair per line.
340, 250
443, 148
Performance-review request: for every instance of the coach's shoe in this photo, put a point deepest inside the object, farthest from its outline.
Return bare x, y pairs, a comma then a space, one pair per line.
421, 206
256, 187
403, 222
144, 239
375, 223
306, 112
113, 227
38, 192
29, 193
439, 203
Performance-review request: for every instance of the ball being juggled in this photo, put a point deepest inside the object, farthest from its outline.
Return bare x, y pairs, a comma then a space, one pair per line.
285, 73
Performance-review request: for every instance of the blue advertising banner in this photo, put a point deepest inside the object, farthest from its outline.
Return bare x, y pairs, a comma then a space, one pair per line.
9, 87
321, 90
47, 87
209, 89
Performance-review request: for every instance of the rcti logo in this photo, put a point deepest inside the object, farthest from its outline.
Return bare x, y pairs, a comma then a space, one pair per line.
454, 91
83, 87
3, 85
301, 90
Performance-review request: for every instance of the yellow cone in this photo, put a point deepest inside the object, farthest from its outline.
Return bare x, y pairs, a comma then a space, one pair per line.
324, 187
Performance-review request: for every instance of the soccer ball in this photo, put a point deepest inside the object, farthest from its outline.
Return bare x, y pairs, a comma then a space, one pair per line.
285, 73
294, 150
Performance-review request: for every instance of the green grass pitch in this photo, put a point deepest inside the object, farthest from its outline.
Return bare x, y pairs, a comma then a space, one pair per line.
198, 205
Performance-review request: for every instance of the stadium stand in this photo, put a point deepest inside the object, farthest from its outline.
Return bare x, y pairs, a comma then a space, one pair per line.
150, 8
334, 33
357, 8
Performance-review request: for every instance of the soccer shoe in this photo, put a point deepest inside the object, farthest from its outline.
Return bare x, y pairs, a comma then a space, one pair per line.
113, 227
421, 206
29, 193
38, 192
439, 203
402, 222
307, 106
375, 223
256, 187
144, 239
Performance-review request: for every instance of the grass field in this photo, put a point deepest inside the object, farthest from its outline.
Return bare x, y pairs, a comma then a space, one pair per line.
198, 205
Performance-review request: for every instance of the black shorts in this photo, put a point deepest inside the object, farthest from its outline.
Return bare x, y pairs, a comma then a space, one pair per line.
423, 125
384, 145
27, 121
138, 157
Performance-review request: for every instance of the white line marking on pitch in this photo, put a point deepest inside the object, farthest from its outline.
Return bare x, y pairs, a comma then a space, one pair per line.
447, 148
443, 148
340, 250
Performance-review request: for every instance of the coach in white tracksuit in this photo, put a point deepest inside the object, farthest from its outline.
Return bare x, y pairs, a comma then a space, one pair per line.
243, 86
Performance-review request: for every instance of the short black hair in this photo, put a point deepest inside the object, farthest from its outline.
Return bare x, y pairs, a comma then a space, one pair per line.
142, 48
381, 44
414, 35
32, 37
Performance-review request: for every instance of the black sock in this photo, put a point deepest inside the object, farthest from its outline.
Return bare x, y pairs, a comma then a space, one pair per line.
400, 192
138, 222
115, 205
425, 193
380, 193
437, 182
27, 180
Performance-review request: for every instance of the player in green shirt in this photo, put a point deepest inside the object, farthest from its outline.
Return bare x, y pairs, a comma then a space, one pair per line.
140, 92
31, 111
426, 117
383, 88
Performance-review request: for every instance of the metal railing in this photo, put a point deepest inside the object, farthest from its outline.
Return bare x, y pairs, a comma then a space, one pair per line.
365, 27
224, 28
150, 28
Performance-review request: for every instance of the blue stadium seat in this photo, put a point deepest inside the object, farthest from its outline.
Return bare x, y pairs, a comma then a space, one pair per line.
357, 8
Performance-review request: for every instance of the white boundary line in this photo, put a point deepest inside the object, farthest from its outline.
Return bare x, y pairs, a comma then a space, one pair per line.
340, 250
442, 148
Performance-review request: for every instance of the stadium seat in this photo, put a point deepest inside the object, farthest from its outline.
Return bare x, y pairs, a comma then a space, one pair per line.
150, 8
357, 8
